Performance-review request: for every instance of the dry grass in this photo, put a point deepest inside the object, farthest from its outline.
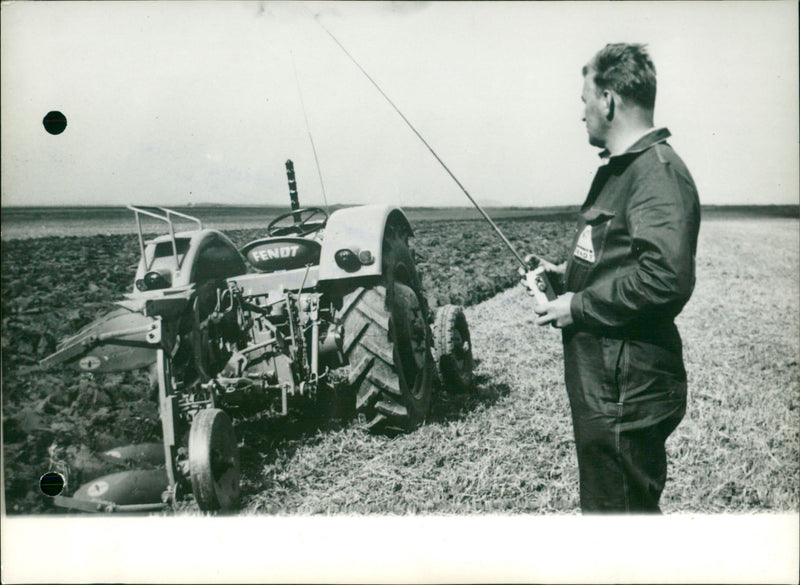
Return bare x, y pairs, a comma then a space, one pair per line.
737, 449
509, 449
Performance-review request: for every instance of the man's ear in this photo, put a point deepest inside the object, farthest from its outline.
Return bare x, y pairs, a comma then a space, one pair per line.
610, 100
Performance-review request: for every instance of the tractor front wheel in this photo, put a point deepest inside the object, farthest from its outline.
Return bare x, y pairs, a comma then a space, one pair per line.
453, 349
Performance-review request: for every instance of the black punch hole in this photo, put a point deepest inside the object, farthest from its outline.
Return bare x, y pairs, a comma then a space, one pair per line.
55, 122
51, 483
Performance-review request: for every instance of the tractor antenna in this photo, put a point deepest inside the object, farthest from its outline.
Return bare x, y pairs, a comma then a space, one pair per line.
308, 128
428, 146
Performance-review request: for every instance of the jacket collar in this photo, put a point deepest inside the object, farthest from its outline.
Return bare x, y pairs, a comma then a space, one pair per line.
652, 137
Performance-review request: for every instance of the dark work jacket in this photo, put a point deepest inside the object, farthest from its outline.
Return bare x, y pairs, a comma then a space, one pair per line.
632, 268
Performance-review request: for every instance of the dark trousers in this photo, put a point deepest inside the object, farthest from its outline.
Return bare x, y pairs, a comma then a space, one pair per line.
626, 397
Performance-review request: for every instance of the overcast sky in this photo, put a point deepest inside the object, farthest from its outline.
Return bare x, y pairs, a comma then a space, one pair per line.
171, 103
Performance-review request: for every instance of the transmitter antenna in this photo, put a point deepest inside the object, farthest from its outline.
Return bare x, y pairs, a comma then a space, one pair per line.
428, 146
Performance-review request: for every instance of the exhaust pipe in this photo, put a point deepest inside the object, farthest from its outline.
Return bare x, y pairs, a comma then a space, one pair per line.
295, 202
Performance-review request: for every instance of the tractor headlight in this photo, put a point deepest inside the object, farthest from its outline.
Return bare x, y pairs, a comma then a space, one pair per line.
154, 281
347, 260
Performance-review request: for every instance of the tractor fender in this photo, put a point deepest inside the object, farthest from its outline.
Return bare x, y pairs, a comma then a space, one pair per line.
358, 229
202, 255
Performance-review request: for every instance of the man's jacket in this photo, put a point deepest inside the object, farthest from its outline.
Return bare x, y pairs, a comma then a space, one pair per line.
632, 271
632, 266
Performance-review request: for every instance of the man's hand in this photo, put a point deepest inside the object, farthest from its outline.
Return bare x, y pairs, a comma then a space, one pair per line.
555, 272
556, 313
558, 269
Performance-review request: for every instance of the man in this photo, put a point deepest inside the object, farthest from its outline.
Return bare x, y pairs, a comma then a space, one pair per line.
630, 273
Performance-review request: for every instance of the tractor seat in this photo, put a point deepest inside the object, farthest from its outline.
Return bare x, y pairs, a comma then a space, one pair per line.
282, 253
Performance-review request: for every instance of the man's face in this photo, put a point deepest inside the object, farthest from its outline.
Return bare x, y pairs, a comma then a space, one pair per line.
595, 112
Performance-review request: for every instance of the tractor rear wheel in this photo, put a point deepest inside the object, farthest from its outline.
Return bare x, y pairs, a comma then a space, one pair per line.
387, 342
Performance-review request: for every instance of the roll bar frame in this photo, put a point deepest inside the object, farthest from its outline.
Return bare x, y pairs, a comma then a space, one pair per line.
166, 216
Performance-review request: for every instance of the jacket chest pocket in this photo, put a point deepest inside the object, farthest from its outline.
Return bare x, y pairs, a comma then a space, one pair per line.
589, 245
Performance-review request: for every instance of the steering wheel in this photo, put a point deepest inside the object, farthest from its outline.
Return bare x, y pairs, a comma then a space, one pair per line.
301, 227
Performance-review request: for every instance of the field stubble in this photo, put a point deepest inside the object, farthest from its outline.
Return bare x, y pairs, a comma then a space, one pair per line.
738, 449
506, 448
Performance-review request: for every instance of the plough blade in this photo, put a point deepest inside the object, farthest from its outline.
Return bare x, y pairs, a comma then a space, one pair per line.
126, 491
117, 342
140, 453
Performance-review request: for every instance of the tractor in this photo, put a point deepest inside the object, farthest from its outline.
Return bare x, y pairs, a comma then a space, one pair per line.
325, 308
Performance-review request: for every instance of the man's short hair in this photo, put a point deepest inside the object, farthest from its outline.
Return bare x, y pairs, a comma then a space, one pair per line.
626, 69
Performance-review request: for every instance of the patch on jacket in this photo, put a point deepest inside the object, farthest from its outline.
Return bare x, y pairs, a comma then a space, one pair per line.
584, 249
